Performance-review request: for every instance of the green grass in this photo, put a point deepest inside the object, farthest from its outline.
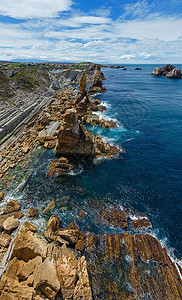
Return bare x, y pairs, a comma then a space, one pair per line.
27, 81
5, 91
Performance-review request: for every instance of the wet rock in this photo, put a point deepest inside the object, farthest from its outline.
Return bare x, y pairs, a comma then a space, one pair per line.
82, 214
18, 214
2, 196
82, 289
141, 223
66, 271
59, 167
91, 241
115, 217
80, 246
12, 206
10, 224
174, 74
5, 239
73, 225
49, 207
70, 235
46, 278
32, 212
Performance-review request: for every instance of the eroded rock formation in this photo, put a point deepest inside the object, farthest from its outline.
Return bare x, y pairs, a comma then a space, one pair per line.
167, 71
96, 86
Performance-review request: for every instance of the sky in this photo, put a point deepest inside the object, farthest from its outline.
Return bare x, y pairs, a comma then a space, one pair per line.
113, 31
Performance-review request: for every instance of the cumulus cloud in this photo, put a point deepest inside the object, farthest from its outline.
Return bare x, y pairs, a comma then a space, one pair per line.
77, 36
27, 9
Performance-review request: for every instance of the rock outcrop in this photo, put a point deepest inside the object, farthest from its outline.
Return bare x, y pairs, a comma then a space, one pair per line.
167, 71
96, 86
77, 143
38, 270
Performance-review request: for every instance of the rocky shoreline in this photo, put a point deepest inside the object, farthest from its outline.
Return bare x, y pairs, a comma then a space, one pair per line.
65, 262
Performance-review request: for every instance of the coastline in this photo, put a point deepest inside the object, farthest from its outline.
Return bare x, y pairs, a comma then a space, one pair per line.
114, 239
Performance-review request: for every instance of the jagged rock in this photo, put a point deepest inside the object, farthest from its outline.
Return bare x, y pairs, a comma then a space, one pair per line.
18, 214
46, 278
167, 71
2, 196
91, 241
70, 235
2, 220
59, 167
174, 74
80, 246
73, 225
5, 239
77, 142
82, 289
32, 212
96, 86
66, 271
26, 269
141, 223
27, 245
10, 224
12, 206
115, 217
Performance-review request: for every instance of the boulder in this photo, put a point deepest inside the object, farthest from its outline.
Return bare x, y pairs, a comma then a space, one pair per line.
12, 206
141, 223
10, 224
5, 239
28, 245
2, 220
18, 214
32, 212
59, 167
70, 235
46, 278
80, 246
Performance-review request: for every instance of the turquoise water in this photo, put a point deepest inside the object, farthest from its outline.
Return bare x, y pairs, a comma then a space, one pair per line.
147, 178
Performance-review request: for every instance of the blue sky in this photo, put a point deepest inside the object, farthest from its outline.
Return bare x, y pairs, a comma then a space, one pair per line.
100, 31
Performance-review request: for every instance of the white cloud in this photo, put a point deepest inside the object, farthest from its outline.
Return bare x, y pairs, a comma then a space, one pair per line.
27, 9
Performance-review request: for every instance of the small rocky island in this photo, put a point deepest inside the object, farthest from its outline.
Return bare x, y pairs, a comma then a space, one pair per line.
167, 71
67, 263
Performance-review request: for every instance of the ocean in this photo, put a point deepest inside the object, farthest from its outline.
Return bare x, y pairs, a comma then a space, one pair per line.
147, 179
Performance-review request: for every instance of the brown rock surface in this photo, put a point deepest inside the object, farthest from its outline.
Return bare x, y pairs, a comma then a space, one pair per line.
96, 86
12, 206
32, 212
2, 196
5, 239
115, 216
18, 214
141, 223
66, 271
59, 166
46, 278
82, 290
10, 224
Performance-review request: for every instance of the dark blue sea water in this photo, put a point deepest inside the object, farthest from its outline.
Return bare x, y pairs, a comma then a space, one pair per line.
147, 178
